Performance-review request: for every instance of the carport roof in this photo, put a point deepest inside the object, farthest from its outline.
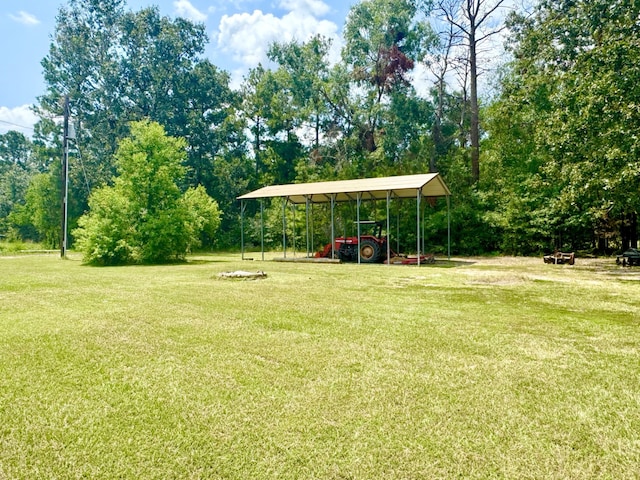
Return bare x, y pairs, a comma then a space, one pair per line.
402, 186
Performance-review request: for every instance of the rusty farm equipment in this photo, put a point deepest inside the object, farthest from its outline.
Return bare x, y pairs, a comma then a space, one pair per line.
371, 247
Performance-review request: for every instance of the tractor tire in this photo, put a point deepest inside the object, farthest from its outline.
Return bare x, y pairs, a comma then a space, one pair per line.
369, 251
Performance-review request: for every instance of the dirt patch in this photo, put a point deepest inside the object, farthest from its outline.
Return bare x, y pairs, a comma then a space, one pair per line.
518, 270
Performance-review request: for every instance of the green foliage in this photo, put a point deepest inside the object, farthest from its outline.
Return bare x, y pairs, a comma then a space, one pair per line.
11, 245
13, 187
119, 66
563, 126
106, 235
383, 42
235, 177
559, 156
304, 70
39, 217
205, 216
15, 150
144, 217
83, 63
273, 116
472, 230
16, 169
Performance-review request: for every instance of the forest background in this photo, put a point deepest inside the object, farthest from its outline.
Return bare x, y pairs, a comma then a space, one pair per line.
546, 159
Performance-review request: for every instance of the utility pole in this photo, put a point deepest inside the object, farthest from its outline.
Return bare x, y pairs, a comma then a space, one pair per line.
65, 178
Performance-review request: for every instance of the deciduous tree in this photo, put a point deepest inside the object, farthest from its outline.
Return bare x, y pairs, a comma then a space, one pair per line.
571, 99
383, 41
144, 217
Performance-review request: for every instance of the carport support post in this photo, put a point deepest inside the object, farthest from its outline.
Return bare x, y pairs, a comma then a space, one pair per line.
448, 227
333, 230
293, 227
423, 212
262, 228
397, 226
418, 223
242, 207
284, 227
358, 200
388, 235
307, 215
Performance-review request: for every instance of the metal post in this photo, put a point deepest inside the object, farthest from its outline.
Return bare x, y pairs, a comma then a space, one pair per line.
358, 199
448, 227
284, 227
418, 223
65, 178
262, 227
293, 210
424, 209
306, 211
397, 227
333, 229
242, 207
388, 234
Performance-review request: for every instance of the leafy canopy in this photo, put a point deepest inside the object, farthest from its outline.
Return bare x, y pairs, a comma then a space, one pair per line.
144, 217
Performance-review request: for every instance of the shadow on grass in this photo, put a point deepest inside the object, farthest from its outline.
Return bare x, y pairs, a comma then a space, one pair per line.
176, 263
451, 263
201, 261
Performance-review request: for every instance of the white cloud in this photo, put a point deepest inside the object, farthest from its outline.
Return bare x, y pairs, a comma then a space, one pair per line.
422, 80
316, 8
185, 9
237, 78
247, 37
25, 18
21, 119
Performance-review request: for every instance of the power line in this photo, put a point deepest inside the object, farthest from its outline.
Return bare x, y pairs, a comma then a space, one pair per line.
84, 171
16, 125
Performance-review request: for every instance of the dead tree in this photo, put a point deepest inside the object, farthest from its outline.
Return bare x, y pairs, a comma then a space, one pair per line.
475, 21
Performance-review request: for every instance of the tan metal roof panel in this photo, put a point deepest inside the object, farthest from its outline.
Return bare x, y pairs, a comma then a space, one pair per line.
402, 186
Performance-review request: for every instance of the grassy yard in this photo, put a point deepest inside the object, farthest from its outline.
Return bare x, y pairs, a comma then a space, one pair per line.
478, 368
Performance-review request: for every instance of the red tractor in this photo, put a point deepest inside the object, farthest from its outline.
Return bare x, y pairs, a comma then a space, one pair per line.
373, 248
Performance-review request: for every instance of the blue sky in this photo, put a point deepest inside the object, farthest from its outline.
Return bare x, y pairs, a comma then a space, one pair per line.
240, 32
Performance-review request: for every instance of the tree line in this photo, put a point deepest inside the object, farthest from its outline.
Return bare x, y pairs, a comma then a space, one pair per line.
547, 160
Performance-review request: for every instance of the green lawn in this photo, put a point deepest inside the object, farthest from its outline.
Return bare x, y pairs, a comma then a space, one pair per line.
479, 368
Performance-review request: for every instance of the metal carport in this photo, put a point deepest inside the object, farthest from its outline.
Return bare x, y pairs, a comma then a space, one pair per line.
382, 188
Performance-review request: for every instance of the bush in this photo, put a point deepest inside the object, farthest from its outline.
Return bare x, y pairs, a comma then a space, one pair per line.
144, 218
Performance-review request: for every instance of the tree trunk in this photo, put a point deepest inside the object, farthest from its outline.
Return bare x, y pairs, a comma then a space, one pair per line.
468, 17
437, 138
629, 231
436, 131
475, 112
257, 147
